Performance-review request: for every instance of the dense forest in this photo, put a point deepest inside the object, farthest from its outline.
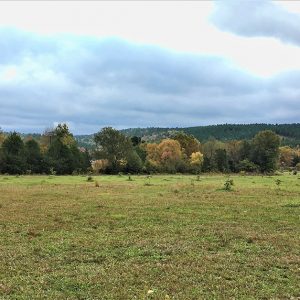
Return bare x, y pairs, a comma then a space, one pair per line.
57, 151
289, 133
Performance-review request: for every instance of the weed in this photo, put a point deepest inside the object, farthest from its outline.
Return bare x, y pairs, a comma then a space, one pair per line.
278, 183
52, 171
228, 184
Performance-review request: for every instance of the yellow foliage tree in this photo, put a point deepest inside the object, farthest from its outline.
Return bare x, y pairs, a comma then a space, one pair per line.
196, 158
99, 165
166, 154
286, 155
153, 156
169, 151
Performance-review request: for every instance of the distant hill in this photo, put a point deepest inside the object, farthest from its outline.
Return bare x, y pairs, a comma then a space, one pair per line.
290, 133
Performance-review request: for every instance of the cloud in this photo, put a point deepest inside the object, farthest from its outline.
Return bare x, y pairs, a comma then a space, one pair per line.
257, 18
91, 82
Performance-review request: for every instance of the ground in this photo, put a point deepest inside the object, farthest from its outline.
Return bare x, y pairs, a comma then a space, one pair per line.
165, 237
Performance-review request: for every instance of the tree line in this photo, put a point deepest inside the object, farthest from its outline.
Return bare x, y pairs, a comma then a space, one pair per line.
57, 152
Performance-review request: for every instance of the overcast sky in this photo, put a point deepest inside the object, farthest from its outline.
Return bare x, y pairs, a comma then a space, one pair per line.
140, 64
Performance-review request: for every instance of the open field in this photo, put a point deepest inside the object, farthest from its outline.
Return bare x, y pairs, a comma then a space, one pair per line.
168, 237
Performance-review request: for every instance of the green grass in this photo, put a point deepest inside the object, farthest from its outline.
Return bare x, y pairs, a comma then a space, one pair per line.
167, 237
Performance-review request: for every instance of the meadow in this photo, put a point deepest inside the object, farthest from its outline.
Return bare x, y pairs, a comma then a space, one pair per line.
164, 237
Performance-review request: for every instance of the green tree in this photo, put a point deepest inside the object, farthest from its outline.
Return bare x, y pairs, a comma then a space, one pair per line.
63, 133
85, 160
135, 140
60, 158
33, 157
134, 163
209, 151
2, 137
221, 160
247, 166
12, 157
265, 147
113, 146
63, 154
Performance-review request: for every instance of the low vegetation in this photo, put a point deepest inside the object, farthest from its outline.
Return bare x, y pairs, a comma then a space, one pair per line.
158, 237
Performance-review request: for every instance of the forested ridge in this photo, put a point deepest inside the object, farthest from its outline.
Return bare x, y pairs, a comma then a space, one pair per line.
289, 133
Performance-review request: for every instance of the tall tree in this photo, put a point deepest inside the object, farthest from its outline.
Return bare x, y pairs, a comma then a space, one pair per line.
63, 154
113, 146
170, 154
33, 157
265, 146
2, 137
221, 160
13, 161
60, 158
189, 144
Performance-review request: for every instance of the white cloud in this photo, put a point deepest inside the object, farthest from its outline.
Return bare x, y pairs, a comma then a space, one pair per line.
92, 82
180, 26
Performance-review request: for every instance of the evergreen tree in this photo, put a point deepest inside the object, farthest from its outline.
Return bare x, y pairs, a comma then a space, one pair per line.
60, 158
12, 158
265, 147
33, 157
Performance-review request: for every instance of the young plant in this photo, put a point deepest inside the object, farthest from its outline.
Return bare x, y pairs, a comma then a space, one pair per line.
278, 183
228, 184
147, 182
89, 179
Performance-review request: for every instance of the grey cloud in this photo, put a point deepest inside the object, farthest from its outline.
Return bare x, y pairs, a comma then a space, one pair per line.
92, 82
257, 18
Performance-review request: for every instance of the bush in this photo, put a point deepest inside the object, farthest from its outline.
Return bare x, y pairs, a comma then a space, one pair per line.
247, 166
228, 184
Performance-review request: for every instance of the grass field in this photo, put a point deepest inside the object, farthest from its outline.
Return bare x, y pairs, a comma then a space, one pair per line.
168, 237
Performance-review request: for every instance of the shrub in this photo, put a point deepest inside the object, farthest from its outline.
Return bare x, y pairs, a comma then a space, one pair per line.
247, 166
148, 183
90, 179
278, 182
228, 184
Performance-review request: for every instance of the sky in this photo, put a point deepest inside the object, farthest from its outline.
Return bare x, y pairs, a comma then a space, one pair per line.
148, 63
